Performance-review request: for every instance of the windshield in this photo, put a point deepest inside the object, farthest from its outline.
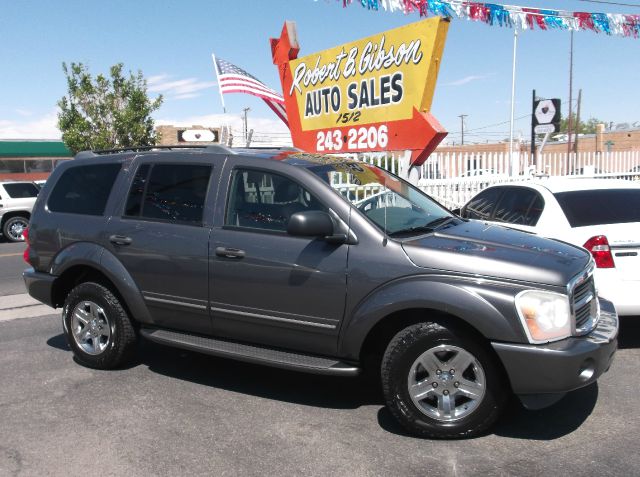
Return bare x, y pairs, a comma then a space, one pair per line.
394, 205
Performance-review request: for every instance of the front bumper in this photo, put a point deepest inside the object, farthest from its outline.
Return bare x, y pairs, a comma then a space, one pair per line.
39, 285
551, 370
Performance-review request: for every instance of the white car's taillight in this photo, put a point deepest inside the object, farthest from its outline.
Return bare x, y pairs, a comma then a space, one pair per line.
599, 248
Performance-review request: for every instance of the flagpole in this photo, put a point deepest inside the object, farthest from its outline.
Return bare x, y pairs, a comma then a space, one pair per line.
513, 99
215, 67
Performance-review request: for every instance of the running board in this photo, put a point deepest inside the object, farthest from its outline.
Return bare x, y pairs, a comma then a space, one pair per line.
251, 353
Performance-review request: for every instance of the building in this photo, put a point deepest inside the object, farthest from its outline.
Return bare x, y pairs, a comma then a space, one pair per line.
30, 159
188, 135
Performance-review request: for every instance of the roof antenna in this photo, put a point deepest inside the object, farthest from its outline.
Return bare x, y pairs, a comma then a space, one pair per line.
384, 183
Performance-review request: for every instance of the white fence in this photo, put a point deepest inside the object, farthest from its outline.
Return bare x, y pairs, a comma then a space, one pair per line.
450, 165
453, 179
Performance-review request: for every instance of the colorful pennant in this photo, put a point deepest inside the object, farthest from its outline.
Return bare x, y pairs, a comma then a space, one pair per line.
512, 16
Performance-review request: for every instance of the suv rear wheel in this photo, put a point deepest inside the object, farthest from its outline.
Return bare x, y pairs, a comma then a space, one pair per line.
13, 228
440, 384
97, 327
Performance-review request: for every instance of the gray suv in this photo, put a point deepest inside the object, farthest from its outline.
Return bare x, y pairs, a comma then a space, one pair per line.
319, 264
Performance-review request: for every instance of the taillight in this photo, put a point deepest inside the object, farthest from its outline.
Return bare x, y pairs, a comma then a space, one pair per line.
599, 248
25, 255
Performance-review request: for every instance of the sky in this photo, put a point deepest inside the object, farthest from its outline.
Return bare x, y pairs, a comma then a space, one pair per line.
171, 42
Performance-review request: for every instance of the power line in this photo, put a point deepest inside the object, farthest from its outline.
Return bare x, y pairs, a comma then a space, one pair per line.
499, 124
634, 5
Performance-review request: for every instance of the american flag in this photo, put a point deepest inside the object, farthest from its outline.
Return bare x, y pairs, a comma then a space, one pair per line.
232, 79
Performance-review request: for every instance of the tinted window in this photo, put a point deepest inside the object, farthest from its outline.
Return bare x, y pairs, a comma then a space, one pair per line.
134, 201
173, 192
519, 205
482, 205
604, 206
266, 201
22, 190
84, 189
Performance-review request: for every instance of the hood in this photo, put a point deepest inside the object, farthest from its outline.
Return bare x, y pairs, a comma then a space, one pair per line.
494, 251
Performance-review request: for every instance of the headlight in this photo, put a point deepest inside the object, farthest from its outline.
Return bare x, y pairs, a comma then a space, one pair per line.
546, 316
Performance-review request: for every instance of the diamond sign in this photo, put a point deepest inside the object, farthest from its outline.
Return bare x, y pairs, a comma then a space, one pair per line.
545, 111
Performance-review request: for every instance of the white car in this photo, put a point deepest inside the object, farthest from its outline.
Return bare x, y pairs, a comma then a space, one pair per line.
16, 202
601, 215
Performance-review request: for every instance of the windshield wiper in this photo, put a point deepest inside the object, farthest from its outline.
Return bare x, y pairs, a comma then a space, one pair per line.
428, 227
411, 230
440, 222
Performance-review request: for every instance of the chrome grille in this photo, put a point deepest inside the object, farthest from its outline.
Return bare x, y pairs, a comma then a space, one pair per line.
585, 305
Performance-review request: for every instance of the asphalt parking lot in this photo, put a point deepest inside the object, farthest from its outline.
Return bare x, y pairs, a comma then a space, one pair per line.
179, 413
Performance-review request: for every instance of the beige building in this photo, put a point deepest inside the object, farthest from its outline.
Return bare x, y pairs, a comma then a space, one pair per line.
188, 135
602, 141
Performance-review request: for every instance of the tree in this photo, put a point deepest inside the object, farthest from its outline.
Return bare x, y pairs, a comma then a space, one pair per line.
106, 113
588, 127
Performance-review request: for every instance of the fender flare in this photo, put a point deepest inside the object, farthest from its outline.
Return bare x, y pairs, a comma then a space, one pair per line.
97, 257
457, 299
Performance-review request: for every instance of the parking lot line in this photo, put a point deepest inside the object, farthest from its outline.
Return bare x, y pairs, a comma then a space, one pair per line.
13, 307
10, 254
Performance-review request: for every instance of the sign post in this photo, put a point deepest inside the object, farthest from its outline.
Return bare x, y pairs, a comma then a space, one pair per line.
370, 95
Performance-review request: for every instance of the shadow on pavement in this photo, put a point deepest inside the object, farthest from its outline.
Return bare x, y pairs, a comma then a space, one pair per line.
551, 423
262, 381
58, 342
517, 423
629, 336
342, 393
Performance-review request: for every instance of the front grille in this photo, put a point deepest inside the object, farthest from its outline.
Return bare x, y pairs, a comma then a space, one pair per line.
585, 305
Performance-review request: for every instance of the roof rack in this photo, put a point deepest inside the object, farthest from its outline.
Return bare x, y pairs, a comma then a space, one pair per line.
213, 148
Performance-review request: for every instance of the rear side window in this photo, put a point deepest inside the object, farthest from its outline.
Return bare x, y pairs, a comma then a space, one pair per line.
84, 189
481, 206
22, 190
519, 205
603, 206
169, 192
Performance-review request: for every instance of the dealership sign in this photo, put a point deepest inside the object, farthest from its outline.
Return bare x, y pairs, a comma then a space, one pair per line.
370, 95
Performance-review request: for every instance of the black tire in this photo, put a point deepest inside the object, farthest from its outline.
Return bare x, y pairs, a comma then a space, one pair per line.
10, 223
399, 370
110, 317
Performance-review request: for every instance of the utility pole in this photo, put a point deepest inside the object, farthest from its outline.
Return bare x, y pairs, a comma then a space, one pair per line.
462, 116
245, 129
575, 141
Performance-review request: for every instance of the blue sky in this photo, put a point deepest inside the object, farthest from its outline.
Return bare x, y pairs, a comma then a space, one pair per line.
172, 41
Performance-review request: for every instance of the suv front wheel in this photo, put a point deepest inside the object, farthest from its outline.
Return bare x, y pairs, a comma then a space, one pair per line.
440, 384
97, 327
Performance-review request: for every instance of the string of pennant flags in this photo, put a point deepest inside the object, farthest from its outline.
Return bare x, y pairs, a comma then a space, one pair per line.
522, 18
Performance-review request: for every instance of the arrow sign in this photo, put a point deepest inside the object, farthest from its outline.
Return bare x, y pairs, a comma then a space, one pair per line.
370, 95
544, 128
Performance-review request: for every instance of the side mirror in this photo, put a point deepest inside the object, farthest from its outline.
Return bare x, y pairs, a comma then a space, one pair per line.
311, 223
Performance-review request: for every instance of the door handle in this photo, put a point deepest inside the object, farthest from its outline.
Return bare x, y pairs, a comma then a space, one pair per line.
229, 252
120, 240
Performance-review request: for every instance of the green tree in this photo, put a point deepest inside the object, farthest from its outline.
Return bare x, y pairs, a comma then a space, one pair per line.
588, 127
105, 113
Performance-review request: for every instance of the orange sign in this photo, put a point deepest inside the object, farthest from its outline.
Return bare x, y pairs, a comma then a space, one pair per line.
370, 95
